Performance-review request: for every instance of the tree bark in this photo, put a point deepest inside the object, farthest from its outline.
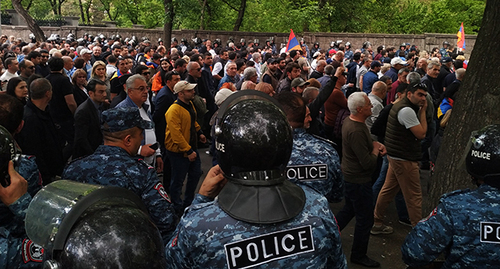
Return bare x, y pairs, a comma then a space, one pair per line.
167, 26
241, 13
82, 15
203, 7
34, 28
475, 107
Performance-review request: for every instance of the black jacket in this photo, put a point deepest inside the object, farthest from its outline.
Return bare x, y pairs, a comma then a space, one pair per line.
39, 137
88, 135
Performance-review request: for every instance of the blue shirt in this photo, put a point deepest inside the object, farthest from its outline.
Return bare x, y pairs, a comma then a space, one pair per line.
368, 80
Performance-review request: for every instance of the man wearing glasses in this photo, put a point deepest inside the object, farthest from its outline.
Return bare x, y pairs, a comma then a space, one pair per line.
137, 94
26, 68
406, 127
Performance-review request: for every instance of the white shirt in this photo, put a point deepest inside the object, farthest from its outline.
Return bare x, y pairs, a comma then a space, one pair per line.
149, 138
6, 77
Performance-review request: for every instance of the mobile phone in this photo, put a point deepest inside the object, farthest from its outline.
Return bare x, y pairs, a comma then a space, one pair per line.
155, 146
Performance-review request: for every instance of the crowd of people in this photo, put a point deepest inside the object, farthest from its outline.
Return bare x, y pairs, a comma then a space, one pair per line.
289, 131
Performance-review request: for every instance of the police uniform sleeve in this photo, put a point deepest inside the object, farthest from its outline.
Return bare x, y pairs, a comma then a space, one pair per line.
336, 194
429, 238
159, 206
178, 250
337, 258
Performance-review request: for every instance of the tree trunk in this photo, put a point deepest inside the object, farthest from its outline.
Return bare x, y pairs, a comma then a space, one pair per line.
34, 28
241, 13
87, 11
475, 107
167, 26
81, 11
203, 7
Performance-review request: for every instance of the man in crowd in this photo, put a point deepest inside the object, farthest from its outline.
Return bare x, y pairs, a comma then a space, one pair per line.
88, 135
359, 161
11, 72
26, 68
181, 139
39, 136
137, 95
292, 71
407, 125
115, 164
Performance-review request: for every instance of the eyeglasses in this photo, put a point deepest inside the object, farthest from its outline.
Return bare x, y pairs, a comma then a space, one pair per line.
46, 56
141, 89
31, 67
146, 73
199, 69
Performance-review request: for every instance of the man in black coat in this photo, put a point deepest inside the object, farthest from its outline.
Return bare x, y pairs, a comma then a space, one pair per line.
39, 136
88, 135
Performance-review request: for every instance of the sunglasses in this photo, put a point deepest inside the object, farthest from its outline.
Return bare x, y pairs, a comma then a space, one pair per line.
146, 73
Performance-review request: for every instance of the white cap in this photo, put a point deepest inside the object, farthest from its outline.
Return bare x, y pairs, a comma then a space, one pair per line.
221, 95
183, 85
85, 51
397, 60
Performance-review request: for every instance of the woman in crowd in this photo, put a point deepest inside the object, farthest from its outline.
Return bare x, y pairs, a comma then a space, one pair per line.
18, 88
79, 82
159, 77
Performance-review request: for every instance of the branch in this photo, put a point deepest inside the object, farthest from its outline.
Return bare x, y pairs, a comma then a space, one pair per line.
230, 5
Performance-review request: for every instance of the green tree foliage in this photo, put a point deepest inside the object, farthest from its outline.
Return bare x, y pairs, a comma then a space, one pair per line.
358, 16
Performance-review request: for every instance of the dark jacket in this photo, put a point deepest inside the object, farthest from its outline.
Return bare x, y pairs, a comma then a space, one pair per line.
88, 135
163, 101
39, 137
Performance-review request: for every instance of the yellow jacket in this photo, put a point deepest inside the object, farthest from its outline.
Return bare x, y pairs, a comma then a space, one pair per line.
178, 129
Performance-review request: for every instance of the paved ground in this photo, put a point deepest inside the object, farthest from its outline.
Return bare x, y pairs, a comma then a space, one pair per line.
382, 248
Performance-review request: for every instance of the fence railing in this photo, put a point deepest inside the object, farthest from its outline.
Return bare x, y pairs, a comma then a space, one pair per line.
56, 22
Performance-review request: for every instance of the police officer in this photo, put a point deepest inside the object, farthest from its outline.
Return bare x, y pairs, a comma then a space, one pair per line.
259, 217
115, 163
314, 162
16, 250
466, 223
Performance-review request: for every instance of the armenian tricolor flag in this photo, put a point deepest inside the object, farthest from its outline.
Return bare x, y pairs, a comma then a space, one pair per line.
293, 43
461, 38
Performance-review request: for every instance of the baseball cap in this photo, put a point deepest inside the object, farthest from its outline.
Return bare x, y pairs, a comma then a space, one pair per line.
122, 118
221, 95
397, 60
447, 60
298, 82
375, 64
85, 51
183, 85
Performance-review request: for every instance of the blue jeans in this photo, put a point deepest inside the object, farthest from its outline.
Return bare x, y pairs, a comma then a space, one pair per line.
398, 200
358, 203
180, 167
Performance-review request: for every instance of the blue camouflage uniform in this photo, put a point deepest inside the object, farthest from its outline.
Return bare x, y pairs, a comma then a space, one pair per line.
17, 251
207, 237
315, 163
113, 166
465, 226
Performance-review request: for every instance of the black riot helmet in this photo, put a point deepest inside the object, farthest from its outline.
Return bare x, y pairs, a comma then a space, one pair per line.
91, 226
446, 43
483, 155
254, 142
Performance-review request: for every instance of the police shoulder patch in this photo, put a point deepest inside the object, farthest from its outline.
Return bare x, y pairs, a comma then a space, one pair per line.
161, 190
31, 252
269, 247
